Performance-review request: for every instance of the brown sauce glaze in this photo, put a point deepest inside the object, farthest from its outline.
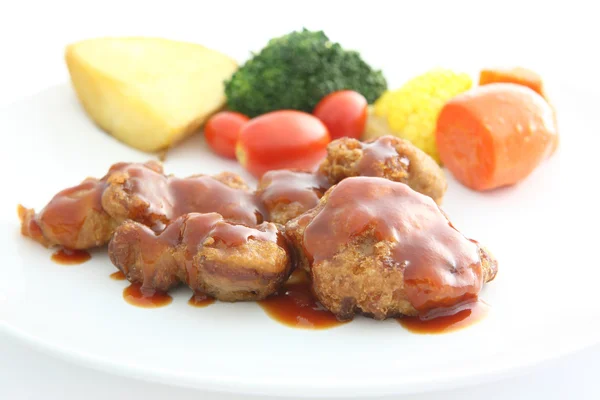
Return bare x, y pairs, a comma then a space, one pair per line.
378, 152
441, 267
68, 210
294, 305
148, 184
200, 300
117, 276
74, 217
135, 295
205, 194
200, 228
286, 186
237, 235
168, 257
170, 197
445, 321
70, 257
86, 215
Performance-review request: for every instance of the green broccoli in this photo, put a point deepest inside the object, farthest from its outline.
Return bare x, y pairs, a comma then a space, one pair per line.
296, 71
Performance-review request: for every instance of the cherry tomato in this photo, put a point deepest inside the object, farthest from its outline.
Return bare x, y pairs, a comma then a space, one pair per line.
222, 130
344, 113
282, 139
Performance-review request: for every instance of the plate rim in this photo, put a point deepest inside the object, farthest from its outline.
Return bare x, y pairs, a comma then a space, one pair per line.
474, 375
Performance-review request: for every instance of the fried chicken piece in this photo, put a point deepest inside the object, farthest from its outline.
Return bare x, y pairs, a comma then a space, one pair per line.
226, 261
74, 218
386, 157
86, 215
377, 247
155, 199
289, 193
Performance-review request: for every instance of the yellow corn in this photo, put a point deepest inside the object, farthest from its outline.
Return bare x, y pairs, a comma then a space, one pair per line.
411, 111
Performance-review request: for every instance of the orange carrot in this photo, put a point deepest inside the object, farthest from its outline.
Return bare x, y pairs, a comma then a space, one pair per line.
518, 75
495, 135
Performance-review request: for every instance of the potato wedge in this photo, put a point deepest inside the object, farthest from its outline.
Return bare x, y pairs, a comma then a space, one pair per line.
148, 92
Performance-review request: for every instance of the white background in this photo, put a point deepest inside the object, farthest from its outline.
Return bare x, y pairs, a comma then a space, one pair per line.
555, 39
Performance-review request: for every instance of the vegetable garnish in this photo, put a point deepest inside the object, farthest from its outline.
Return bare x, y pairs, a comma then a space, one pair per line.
344, 113
495, 135
285, 139
222, 130
296, 71
518, 75
412, 110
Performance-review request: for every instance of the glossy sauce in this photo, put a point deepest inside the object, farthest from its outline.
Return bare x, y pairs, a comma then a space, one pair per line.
63, 217
295, 305
169, 197
117, 276
151, 198
211, 229
148, 183
188, 234
205, 194
286, 187
70, 257
378, 153
440, 267
135, 295
459, 317
200, 300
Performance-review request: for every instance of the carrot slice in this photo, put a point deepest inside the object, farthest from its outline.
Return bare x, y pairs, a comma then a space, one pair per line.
518, 75
495, 135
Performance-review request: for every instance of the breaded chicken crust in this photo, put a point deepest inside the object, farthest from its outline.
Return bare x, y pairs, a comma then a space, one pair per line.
226, 261
387, 157
379, 248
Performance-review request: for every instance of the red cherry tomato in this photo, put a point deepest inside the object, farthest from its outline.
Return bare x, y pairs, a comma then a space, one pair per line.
222, 130
282, 139
344, 113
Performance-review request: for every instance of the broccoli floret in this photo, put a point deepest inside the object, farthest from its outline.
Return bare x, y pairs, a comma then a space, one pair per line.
296, 71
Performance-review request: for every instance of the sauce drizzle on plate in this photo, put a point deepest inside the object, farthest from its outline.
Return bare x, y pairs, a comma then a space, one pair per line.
294, 305
135, 295
117, 276
451, 320
70, 257
200, 300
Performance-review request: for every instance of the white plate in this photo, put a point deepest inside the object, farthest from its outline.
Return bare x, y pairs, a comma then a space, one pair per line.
544, 299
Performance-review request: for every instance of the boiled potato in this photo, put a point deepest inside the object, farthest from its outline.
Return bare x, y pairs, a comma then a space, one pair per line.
147, 92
